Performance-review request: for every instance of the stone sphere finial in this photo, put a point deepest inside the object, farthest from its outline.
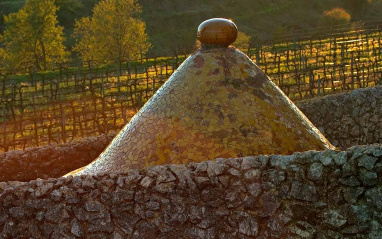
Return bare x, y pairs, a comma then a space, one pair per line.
217, 31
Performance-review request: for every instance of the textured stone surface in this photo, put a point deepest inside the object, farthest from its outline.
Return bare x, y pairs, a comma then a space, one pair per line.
52, 160
348, 119
295, 196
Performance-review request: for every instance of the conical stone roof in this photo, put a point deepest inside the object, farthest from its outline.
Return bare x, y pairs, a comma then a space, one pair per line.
217, 104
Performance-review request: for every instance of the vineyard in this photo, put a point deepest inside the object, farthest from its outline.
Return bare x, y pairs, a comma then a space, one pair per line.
53, 107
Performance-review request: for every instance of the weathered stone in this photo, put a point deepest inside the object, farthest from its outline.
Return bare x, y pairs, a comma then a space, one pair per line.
40, 216
147, 182
69, 194
213, 196
126, 222
224, 180
154, 206
233, 200
376, 231
9, 228
196, 213
106, 185
121, 195
202, 182
336, 196
34, 231
93, 206
121, 181
275, 176
100, 225
334, 218
351, 181
43, 189
252, 175
145, 229
367, 161
326, 161
249, 226
76, 228
80, 213
378, 167
116, 235
165, 187
369, 179
94, 194
88, 181
77, 182
315, 172
55, 195
3, 218
17, 212
351, 194
340, 158
362, 213
165, 177
349, 168
201, 168
355, 229
263, 160
270, 203
195, 232
234, 172
275, 227
374, 196
215, 169
303, 191
254, 189
57, 214
250, 162
303, 229
133, 177
249, 202
377, 152
281, 161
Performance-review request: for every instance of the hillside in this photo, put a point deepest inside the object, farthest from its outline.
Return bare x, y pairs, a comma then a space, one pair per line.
171, 24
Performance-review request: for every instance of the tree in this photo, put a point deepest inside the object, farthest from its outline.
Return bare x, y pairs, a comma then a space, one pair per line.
85, 40
113, 34
334, 17
32, 38
2, 55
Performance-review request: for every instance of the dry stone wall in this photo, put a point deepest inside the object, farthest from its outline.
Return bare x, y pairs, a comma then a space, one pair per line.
52, 160
329, 194
348, 119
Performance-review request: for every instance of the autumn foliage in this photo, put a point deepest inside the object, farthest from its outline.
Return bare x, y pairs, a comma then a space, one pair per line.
32, 37
113, 34
334, 17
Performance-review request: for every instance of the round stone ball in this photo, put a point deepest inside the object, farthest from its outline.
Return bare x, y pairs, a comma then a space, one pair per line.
217, 31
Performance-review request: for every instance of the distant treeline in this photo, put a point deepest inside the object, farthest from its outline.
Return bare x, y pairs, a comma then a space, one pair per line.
171, 24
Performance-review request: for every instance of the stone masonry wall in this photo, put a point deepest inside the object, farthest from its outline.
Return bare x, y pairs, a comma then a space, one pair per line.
345, 119
52, 160
330, 194
348, 119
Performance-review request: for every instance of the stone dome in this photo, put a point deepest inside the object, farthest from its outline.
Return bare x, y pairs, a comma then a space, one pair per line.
217, 104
